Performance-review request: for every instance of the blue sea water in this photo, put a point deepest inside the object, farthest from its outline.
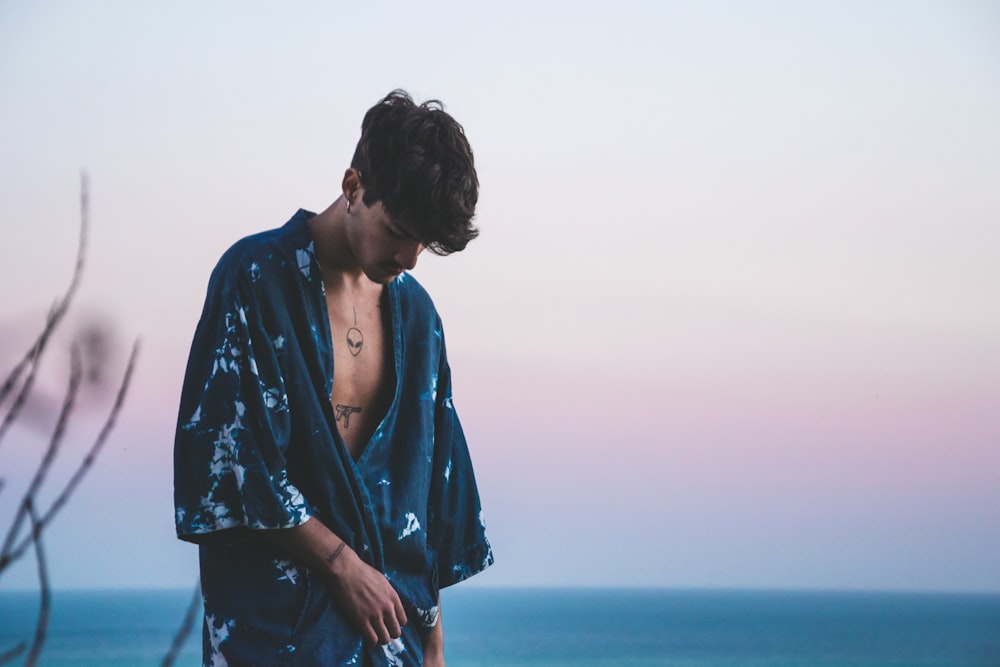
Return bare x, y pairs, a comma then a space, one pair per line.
581, 627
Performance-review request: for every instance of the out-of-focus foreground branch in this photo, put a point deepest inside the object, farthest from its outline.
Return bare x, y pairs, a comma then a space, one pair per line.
184, 631
18, 386
42, 626
31, 360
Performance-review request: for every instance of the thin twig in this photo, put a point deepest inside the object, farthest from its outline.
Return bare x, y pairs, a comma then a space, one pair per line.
185, 630
102, 437
75, 375
55, 316
10, 654
29, 381
85, 465
42, 626
15, 373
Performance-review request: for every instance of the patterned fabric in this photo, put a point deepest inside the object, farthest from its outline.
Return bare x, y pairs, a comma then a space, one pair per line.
256, 449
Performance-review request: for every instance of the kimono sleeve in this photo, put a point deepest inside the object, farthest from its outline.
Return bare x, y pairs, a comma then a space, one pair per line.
457, 532
233, 426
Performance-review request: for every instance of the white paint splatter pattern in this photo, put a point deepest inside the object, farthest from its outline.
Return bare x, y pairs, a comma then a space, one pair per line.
218, 634
304, 259
462, 571
215, 514
427, 617
218, 514
412, 526
392, 651
275, 400
289, 572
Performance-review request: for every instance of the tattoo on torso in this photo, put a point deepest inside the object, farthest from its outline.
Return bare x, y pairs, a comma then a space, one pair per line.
363, 381
355, 339
344, 412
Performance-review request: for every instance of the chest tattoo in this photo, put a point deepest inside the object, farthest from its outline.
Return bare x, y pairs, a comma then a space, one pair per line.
344, 412
355, 339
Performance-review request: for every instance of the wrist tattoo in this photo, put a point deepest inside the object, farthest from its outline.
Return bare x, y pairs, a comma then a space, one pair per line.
336, 554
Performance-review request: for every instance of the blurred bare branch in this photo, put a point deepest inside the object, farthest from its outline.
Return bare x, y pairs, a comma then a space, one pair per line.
6, 558
187, 625
31, 360
89, 355
11, 654
50, 454
27, 384
42, 626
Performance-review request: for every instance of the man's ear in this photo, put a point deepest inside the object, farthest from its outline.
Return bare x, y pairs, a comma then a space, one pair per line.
351, 185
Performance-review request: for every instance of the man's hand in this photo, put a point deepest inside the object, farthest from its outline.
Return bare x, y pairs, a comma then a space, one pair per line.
366, 597
361, 591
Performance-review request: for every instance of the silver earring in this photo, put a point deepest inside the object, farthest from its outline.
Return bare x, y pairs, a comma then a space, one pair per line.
348, 205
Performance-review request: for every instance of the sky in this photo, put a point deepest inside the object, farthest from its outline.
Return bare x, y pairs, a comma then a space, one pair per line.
731, 321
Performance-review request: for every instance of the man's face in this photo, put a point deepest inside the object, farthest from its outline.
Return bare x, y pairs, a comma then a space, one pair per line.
384, 247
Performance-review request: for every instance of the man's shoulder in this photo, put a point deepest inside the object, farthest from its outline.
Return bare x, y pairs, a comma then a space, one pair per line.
413, 295
260, 255
420, 317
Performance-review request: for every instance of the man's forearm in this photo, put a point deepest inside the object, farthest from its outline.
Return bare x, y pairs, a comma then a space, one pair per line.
313, 544
434, 643
360, 590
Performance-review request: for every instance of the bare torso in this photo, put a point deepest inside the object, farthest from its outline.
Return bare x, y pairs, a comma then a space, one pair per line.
364, 375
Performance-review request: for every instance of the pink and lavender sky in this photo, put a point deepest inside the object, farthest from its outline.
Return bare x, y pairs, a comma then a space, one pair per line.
732, 320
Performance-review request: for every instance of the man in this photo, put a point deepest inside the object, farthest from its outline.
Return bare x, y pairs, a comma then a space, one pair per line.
319, 462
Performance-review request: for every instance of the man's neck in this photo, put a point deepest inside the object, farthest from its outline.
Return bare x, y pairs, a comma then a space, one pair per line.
341, 270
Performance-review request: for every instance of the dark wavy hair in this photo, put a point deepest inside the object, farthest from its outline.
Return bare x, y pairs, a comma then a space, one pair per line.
416, 160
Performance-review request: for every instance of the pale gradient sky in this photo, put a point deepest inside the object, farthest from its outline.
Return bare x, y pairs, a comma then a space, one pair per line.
732, 320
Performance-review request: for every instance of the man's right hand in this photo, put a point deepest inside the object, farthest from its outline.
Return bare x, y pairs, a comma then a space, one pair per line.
361, 591
367, 598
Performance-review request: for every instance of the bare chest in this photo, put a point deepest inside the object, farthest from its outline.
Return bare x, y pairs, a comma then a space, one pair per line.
363, 373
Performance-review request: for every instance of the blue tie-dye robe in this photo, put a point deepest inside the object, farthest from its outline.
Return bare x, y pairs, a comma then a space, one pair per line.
256, 449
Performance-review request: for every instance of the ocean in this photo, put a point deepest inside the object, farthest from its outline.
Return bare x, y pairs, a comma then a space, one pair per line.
580, 627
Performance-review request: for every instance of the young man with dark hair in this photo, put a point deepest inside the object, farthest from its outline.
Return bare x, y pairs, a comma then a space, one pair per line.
318, 461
